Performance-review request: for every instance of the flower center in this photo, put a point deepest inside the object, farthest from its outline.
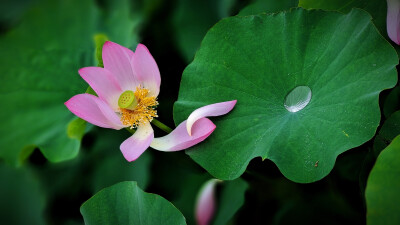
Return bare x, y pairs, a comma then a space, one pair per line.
127, 100
137, 108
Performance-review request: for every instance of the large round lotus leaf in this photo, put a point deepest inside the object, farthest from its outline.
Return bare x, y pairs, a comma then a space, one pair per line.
126, 203
382, 192
258, 60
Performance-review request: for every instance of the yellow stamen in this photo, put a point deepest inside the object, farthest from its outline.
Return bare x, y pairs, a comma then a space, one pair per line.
143, 113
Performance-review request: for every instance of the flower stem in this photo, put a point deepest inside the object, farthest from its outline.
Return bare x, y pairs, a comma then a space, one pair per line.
132, 131
161, 126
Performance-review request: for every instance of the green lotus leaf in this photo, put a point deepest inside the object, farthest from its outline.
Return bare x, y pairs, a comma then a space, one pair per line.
39, 60
39, 68
126, 203
341, 60
268, 6
339, 5
382, 192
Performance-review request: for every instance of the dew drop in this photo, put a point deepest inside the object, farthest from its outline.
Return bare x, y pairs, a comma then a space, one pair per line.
298, 98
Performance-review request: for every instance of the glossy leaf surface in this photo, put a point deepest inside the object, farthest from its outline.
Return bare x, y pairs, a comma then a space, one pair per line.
126, 203
258, 60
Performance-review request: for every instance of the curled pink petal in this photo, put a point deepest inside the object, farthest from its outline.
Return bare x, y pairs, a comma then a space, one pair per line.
393, 20
117, 60
94, 110
103, 83
205, 203
134, 146
179, 139
146, 69
216, 109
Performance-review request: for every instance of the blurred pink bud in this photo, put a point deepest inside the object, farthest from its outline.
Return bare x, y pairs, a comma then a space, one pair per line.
393, 20
205, 203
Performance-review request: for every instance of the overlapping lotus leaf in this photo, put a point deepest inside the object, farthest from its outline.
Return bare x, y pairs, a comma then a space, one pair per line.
39, 60
126, 203
382, 191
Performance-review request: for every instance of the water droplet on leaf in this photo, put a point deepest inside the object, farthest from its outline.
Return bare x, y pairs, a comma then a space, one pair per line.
298, 98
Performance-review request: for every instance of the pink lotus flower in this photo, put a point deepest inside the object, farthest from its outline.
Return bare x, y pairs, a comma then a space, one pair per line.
205, 203
127, 89
393, 20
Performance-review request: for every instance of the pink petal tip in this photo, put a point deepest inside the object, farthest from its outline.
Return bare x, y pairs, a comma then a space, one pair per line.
393, 20
179, 139
146, 69
135, 145
216, 109
94, 110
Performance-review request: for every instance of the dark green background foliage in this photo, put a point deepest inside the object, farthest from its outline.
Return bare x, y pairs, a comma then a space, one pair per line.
57, 169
